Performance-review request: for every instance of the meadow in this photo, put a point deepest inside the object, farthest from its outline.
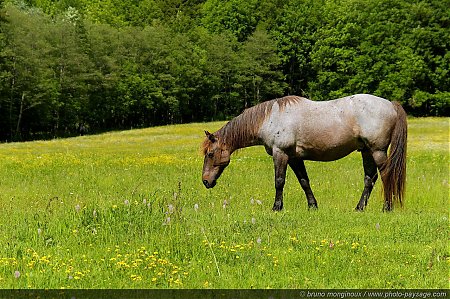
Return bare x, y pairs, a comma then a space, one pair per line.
128, 210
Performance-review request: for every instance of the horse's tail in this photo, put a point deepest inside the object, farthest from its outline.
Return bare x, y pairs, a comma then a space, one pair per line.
393, 172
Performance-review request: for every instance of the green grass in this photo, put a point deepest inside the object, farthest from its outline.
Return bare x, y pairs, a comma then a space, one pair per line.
93, 212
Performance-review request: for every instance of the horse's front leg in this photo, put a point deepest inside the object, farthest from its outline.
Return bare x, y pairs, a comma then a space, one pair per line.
280, 161
298, 166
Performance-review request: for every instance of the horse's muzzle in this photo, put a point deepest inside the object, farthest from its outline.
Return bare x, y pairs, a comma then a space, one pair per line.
208, 184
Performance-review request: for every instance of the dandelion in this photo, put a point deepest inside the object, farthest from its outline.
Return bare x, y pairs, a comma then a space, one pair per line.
94, 214
258, 240
171, 209
39, 231
126, 202
225, 203
253, 220
377, 226
259, 202
331, 244
77, 208
196, 207
144, 201
252, 201
16, 274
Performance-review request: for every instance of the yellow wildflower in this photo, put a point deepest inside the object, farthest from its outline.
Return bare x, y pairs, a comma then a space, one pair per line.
177, 281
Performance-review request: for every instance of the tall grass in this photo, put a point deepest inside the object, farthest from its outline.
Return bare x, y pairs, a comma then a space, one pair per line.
128, 210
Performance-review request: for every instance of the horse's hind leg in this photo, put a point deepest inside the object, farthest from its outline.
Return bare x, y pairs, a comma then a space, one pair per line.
298, 166
380, 158
370, 177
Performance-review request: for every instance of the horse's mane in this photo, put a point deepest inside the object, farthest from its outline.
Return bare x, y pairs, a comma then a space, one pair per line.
240, 129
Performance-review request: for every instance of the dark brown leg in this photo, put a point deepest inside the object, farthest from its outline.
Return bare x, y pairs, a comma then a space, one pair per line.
298, 166
380, 158
280, 160
370, 177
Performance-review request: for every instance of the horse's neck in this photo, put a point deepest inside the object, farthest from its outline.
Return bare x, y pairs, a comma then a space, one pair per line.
238, 134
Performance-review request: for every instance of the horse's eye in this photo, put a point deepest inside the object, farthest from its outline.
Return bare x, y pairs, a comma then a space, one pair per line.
211, 155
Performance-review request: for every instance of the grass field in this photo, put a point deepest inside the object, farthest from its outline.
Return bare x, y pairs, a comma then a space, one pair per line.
128, 210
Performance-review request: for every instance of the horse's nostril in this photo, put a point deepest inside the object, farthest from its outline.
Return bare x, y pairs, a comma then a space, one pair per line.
208, 184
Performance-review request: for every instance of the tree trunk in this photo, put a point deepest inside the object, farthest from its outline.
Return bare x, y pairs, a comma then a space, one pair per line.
11, 99
19, 118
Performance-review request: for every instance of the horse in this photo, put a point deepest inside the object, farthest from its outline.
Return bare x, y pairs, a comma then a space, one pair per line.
294, 129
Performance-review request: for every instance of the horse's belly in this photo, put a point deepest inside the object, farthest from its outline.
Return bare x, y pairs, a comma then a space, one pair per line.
326, 153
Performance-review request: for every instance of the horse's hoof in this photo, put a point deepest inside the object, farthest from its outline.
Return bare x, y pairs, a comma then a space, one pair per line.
387, 207
277, 208
359, 208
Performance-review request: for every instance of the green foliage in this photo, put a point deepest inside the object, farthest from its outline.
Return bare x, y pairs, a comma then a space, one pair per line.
397, 50
128, 210
235, 16
103, 65
294, 32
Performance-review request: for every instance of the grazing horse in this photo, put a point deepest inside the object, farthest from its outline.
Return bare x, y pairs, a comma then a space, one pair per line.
293, 129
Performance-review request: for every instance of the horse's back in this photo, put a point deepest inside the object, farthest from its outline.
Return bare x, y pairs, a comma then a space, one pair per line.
329, 130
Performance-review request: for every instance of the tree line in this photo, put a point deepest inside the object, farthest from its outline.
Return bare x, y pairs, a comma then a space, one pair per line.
72, 66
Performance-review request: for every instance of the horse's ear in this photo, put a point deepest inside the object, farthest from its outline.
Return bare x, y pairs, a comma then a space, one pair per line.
210, 136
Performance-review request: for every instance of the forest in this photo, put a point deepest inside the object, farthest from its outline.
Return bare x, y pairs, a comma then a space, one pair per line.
74, 67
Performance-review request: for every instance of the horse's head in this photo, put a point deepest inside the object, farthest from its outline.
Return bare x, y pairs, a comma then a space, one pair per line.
217, 158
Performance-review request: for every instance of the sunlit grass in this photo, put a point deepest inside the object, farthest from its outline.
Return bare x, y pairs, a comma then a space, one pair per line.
128, 210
